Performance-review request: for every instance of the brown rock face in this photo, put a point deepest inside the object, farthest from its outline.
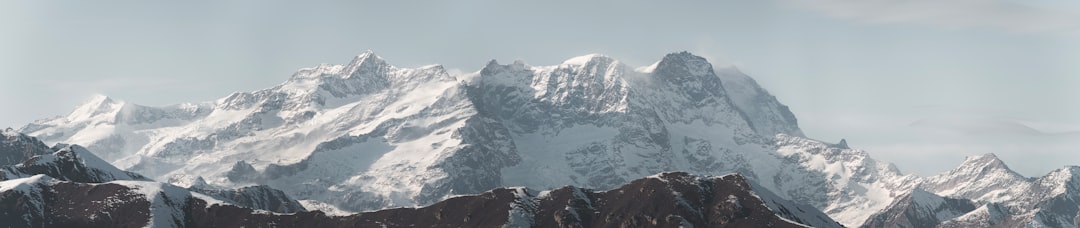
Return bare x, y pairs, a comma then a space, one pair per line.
664, 200
668, 200
671, 200
68, 204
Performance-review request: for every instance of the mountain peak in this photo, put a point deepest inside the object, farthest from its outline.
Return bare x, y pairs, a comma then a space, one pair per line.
681, 54
985, 160
16, 147
494, 67
586, 59
982, 178
919, 208
97, 100
70, 163
366, 54
365, 63
983, 165
684, 63
97, 104
683, 57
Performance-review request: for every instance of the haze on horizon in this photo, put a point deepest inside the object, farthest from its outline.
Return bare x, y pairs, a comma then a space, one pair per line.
919, 83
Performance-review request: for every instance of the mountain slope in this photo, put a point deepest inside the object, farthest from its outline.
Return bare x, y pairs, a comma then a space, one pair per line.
71, 163
18, 147
1000, 197
663, 200
987, 215
74, 164
996, 182
36, 202
369, 135
919, 209
763, 111
255, 197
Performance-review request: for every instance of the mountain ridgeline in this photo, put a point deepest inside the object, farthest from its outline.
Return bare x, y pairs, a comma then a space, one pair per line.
368, 135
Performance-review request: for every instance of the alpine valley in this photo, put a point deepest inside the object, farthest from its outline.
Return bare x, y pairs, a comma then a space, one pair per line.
590, 142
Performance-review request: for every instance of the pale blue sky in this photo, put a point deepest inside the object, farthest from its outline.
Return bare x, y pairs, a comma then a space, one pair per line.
921, 83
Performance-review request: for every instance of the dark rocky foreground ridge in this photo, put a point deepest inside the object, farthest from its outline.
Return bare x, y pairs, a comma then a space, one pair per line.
665, 200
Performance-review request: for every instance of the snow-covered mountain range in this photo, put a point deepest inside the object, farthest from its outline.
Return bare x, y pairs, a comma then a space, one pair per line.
984, 192
73, 188
368, 135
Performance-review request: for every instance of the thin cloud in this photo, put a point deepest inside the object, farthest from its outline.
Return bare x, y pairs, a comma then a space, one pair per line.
994, 14
111, 83
971, 125
990, 121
